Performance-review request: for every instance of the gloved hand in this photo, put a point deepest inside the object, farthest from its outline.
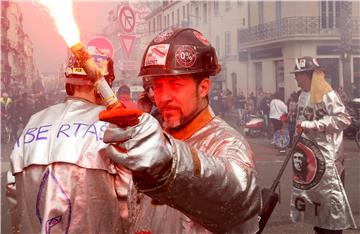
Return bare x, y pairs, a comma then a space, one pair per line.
304, 126
121, 117
142, 148
307, 125
299, 129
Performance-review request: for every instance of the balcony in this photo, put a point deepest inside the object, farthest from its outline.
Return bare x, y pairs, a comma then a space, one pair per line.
298, 26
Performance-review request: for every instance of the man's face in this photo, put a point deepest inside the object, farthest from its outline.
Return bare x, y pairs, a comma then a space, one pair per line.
179, 98
298, 161
303, 81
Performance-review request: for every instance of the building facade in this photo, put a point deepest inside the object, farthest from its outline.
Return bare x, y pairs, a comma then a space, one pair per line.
257, 41
280, 31
218, 21
19, 72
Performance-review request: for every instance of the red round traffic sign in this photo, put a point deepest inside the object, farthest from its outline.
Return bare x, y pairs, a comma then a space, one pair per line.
102, 43
127, 18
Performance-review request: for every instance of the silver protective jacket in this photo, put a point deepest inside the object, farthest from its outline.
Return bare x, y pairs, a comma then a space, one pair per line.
319, 196
58, 181
211, 187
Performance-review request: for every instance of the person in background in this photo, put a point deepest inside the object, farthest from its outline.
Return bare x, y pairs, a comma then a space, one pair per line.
292, 107
5, 102
240, 102
260, 96
6, 118
216, 101
343, 95
277, 110
124, 95
198, 174
146, 101
265, 110
58, 181
39, 101
229, 101
321, 118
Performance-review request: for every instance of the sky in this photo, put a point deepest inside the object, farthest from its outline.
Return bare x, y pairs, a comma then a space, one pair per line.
50, 50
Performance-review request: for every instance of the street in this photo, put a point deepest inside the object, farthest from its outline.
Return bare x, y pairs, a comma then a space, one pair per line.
268, 161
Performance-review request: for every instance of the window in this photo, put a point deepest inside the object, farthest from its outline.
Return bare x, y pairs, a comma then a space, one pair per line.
197, 17
337, 13
227, 5
356, 72
158, 21
261, 11
330, 13
279, 74
178, 17
153, 27
258, 77
278, 9
165, 24
149, 27
234, 84
205, 13
217, 45
227, 43
183, 10
332, 68
188, 12
172, 18
216, 8
168, 20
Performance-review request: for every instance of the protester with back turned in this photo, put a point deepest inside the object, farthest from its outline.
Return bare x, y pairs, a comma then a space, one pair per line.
198, 175
59, 183
278, 109
321, 199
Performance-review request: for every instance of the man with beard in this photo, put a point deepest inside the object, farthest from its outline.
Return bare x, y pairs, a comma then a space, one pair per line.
322, 116
59, 182
198, 175
300, 166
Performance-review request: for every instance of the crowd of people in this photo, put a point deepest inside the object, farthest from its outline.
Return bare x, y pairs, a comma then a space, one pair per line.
168, 164
16, 109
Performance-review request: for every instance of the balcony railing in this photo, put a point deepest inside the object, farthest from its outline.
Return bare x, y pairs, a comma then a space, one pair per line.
291, 26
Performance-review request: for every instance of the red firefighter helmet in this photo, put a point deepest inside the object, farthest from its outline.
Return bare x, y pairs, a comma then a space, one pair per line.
179, 51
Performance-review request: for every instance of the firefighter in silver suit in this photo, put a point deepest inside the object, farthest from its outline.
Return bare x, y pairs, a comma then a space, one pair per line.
58, 181
197, 175
318, 195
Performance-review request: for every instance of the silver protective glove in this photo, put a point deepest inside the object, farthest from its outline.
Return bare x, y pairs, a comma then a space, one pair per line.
144, 148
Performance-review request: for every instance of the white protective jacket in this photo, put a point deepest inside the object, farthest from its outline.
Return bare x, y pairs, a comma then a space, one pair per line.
58, 182
319, 196
211, 187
